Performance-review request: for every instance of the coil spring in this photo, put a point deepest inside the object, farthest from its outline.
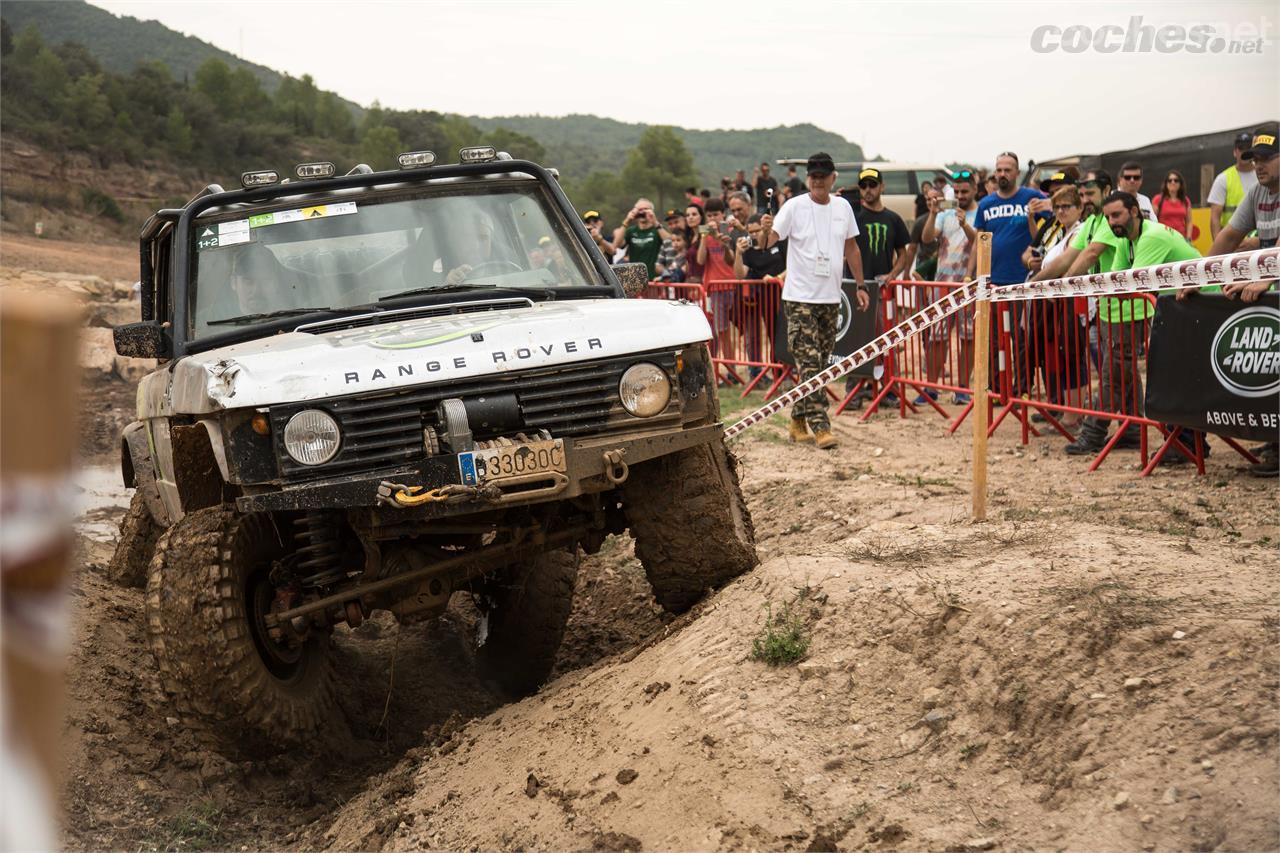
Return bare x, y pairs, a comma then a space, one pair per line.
318, 549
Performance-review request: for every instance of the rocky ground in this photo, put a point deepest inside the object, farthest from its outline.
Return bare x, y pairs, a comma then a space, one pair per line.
1094, 668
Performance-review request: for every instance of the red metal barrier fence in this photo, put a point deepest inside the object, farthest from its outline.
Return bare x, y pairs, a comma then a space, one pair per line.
1054, 362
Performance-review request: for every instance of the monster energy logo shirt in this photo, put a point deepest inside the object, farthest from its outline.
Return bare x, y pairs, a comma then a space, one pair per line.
880, 234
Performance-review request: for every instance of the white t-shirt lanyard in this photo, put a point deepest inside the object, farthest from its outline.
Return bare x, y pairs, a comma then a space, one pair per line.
822, 264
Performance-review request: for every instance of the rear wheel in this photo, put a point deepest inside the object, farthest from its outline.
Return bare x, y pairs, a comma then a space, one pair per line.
692, 528
525, 611
207, 596
135, 545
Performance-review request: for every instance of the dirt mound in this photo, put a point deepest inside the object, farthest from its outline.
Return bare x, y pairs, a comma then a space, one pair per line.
1021, 683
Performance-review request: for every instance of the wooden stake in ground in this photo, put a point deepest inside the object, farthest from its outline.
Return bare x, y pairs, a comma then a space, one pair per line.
981, 365
39, 380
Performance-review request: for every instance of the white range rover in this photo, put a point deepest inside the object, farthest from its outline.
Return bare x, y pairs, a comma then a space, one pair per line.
379, 389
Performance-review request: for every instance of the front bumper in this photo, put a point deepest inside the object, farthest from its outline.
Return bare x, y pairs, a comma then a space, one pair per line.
586, 469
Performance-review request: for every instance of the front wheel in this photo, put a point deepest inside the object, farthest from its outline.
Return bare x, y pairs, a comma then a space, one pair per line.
524, 612
692, 528
207, 594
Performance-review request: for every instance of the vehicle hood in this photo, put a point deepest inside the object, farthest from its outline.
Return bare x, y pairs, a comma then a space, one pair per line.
298, 366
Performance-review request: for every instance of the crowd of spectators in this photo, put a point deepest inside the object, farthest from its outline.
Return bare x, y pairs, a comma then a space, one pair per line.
1070, 224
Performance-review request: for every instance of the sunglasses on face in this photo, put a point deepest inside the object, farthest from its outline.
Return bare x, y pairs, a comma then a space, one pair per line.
866, 185
1136, 177
1173, 180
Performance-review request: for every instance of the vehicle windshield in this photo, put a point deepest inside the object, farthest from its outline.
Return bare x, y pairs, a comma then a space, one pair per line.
349, 253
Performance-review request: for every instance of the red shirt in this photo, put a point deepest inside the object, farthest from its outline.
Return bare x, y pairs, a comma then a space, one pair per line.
1172, 212
717, 268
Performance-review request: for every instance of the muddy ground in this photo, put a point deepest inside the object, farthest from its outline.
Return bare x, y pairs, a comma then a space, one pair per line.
1094, 668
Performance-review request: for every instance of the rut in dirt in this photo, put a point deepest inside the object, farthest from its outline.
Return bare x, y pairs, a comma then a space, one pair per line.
401, 689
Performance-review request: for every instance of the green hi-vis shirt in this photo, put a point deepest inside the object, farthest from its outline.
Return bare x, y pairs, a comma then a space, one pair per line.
1157, 244
1096, 230
643, 246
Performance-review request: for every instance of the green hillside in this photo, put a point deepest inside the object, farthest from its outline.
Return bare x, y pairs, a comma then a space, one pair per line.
77, 78
581, 144
121, 43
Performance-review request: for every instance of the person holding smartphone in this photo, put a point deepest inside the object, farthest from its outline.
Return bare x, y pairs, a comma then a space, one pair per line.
640, 238
716, 260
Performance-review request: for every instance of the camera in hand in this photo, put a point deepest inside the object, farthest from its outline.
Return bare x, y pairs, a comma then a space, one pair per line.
947, 204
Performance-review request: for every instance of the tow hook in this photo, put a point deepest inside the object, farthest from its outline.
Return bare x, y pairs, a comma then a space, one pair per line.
616, 469
399, 495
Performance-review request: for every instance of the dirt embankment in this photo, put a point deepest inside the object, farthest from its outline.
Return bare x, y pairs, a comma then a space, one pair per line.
1093, 669
71, 196
1092, 680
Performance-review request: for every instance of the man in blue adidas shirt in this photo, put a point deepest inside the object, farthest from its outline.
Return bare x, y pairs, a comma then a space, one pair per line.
1004, 214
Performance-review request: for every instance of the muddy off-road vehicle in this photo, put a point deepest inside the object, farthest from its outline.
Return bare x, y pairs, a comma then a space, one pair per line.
380, 389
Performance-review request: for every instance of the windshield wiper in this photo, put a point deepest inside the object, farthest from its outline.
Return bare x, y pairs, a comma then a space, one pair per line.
266, 315
446, 288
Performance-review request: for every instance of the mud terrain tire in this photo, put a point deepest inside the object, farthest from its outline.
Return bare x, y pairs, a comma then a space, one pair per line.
208, 570
135, 546
692, 528
528, 608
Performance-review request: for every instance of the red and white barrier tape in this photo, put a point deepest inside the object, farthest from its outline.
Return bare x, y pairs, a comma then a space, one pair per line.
1258, 265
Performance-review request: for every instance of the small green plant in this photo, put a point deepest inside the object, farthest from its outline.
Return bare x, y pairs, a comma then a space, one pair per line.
969, 750
196, 827
784, 638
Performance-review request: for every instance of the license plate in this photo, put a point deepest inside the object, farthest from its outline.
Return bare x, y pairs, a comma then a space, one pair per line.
511, 461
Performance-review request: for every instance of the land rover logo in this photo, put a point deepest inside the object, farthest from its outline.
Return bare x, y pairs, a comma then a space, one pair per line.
845, 317
1246, 352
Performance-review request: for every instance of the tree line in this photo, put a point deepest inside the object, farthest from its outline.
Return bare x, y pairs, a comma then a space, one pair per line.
221, 121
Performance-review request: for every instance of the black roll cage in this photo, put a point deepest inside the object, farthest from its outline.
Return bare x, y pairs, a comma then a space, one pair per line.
174, 224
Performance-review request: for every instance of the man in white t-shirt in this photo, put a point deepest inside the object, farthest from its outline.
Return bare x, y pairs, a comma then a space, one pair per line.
1131, 182
820, 230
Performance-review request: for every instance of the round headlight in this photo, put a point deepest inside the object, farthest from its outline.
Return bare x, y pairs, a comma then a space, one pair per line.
311, 437
645, 390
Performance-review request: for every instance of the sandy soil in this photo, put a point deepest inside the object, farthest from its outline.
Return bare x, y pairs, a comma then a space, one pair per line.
1094, 668
53, 256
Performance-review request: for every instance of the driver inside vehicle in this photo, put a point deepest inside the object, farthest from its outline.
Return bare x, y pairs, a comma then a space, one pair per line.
258, 280
474, 247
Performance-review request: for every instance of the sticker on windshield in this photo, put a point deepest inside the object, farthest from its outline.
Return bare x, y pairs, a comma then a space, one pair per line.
223, 234
280, 217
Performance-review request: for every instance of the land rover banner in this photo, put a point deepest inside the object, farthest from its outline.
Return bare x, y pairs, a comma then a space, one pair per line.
854, 329
1214, 365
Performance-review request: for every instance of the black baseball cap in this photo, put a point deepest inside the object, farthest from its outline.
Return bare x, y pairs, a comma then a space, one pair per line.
1263, 144
1056, 178
590, 215
870, 174
1243, 139
820, 165
673, 214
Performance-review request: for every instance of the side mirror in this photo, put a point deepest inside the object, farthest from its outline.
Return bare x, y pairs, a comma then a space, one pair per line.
634, 278
141, 340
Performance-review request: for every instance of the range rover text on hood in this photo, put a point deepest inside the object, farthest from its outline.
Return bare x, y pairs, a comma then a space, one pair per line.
305, 366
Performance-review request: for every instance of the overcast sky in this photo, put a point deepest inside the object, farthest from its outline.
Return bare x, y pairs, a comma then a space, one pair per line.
908, 80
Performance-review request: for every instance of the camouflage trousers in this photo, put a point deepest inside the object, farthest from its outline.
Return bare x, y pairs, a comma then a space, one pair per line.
811, 336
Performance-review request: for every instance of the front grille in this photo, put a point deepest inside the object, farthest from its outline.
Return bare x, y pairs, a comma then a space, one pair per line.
384, 430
